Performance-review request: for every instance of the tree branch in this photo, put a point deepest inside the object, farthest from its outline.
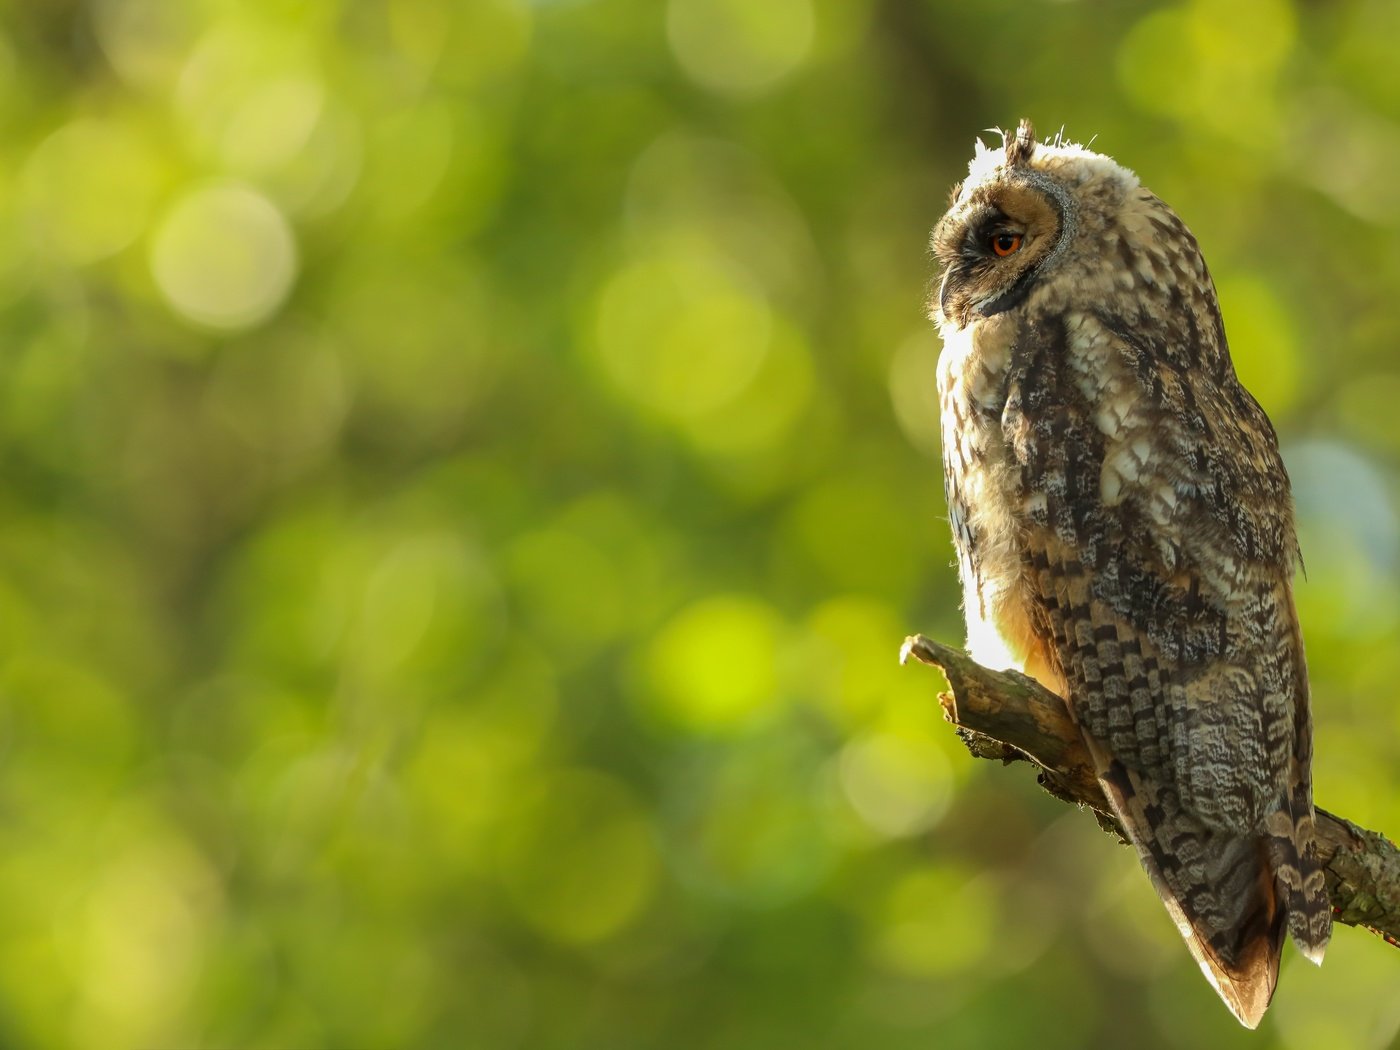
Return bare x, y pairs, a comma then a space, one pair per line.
1009, 717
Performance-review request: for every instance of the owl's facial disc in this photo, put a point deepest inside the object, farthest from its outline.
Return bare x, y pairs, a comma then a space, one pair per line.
996, 242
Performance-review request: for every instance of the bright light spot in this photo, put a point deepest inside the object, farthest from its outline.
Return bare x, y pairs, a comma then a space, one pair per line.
914, 390
726, 197
899, 785
680, 334
233, 58
471, 762
848, 652
769, 410
714, 665
254, 103
1182, 60
89, 189
225, 257
145, 40
272, 124
147, 921
403, 602
400, 598
737, 47
989, 647
1352, 151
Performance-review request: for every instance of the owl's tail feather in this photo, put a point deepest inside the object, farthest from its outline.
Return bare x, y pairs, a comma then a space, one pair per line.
1219, 888
1292, 844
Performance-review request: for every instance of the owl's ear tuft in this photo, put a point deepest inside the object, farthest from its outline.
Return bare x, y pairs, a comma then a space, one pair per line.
1021, 145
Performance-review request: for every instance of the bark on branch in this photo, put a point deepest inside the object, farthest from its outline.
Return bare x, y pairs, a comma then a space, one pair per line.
1009, 717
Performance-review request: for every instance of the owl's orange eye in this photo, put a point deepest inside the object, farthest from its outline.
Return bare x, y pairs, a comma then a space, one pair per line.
1005, 244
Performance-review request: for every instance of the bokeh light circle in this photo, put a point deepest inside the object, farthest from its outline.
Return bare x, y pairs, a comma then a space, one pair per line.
739, 48
89, 188
224, 256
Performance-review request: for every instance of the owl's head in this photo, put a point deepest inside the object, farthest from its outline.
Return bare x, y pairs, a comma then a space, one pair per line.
1014, 219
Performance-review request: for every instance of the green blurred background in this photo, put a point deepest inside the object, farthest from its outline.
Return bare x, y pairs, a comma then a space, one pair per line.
468, 469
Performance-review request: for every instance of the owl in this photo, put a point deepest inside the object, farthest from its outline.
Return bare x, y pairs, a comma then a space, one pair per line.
1124, 531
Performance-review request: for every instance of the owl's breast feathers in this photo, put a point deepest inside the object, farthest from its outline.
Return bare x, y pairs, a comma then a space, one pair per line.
1125, 534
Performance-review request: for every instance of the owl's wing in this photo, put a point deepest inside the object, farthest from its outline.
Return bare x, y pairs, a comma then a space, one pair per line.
1159, 566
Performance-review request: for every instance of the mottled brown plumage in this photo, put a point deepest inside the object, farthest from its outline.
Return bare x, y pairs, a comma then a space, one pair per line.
1124, 528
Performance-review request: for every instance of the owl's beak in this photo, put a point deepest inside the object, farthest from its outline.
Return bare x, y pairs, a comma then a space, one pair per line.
953, 309
943, 290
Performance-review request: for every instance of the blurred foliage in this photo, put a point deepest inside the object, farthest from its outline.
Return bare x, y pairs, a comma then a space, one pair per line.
468, 468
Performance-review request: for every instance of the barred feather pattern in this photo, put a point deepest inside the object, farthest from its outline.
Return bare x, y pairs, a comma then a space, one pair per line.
1124, 529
